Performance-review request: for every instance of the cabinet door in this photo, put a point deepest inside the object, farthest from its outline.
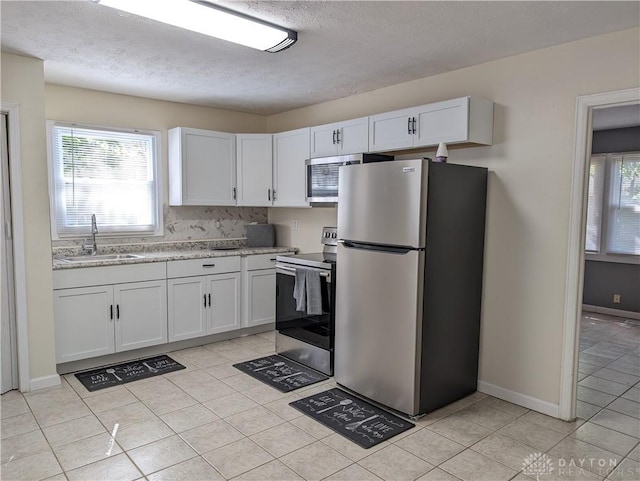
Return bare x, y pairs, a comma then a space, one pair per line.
187, 300
446, 122
203, 165
83, 322
141, 314
290, 150
391, 131
324, 140
224, 311
255, 178
261, 297
353, 137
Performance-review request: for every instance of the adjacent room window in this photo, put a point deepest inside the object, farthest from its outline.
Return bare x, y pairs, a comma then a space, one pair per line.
613, 208
112, 174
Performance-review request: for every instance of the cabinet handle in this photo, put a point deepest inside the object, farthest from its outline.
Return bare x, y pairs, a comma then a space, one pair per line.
269, 194
273, 259
209, 299
334, 136
234, 193
274, 194
338, 136
111, 312
117, 311
208, 265
205, 300
414, 125
409, 125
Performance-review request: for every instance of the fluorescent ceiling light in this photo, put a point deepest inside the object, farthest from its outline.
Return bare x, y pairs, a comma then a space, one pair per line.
212, 20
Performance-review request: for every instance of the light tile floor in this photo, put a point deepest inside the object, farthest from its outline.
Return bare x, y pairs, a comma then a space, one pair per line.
211, 422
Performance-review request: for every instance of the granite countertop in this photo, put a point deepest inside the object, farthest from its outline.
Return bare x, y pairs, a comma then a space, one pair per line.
157, 253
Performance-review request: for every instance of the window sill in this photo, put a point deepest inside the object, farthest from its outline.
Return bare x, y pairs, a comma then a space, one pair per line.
616, 259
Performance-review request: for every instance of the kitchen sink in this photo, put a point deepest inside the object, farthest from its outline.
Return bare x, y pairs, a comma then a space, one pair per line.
101, 257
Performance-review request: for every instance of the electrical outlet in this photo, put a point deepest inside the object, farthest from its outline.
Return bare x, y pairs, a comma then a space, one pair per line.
616, 298
294, 225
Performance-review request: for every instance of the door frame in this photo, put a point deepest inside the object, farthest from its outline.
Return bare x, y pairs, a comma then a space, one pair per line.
574, 283
19, 265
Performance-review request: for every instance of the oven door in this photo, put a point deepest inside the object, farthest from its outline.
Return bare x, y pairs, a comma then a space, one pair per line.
316, 330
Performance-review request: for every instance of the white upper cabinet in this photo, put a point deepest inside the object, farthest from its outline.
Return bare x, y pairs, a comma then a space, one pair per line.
290, 151
348, 137
202, 167
462, 120
255, 169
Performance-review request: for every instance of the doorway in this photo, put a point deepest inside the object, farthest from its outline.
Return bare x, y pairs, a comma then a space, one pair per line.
609, 350
9, 359
585, 108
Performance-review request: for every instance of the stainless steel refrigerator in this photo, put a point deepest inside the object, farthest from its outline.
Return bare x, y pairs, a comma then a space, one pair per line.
409, 289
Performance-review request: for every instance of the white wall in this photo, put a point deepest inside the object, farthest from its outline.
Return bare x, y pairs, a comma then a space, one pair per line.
310, 224
529, 190
23, 84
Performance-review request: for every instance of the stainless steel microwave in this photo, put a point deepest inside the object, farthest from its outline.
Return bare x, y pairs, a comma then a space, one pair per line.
322, 174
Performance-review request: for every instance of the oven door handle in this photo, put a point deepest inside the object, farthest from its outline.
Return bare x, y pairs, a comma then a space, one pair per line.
291, 271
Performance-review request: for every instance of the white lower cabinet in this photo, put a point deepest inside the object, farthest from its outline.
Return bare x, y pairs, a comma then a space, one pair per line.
204, 297
145, 305
259, 289
94, 321
141, 314
224, 305
260, 304
83, 322
187, 308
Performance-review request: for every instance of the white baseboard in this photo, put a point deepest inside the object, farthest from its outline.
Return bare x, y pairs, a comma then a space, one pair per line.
45, 381
529, 402
611, 312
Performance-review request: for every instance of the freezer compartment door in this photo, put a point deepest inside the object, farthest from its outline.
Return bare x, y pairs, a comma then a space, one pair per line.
383, 203
378, 325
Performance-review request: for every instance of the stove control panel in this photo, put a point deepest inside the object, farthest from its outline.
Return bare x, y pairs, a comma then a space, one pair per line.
329, 236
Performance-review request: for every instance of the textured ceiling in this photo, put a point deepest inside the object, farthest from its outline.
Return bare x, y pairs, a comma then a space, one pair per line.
344, 48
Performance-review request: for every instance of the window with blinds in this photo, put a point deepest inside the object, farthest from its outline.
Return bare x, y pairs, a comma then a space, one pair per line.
108, 173
613, 210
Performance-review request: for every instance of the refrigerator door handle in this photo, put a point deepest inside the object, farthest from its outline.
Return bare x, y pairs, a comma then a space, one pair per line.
378, 247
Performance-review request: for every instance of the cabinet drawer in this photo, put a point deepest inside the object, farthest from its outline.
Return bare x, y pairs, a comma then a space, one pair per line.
202, 267
262, 261
103, 275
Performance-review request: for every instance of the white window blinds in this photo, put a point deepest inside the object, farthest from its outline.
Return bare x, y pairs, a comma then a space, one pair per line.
594, 202
623, 219
109, 173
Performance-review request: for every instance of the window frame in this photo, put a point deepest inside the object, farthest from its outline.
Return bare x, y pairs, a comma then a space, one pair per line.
602, 255
51, 174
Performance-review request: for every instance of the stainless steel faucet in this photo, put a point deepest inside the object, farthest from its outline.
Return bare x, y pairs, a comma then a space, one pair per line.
93, 248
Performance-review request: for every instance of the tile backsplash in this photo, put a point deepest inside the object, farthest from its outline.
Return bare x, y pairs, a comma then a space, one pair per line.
191, 223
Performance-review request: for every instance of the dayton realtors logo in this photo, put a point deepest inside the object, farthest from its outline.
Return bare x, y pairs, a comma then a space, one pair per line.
537, 464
